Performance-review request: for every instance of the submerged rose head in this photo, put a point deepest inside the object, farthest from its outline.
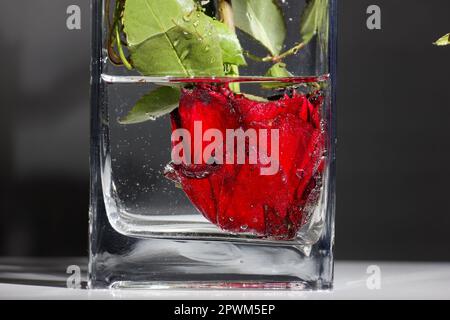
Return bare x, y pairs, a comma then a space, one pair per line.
249, 166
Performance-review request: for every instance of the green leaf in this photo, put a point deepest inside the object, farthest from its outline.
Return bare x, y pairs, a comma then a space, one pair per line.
232, 52
144, 19
170, 38
263, 20
178, 53
232, 70
444, 41
314, 16
277, 71
153, 105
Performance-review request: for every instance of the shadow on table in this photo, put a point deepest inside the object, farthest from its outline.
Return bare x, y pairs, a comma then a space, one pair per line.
48, 272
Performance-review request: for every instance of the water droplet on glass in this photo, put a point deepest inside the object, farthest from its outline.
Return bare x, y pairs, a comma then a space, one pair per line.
186, 18
207, 48
244, 227
150, 116
187, 35
184, 54
196, 23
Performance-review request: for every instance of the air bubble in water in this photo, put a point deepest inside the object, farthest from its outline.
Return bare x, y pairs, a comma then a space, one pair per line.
300, 173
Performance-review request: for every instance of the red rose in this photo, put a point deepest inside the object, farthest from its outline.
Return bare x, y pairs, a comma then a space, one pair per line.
237, 197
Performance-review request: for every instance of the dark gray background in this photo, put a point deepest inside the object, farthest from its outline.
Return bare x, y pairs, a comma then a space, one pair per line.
393, 131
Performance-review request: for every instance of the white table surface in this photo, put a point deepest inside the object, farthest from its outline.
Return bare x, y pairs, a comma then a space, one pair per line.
20, 279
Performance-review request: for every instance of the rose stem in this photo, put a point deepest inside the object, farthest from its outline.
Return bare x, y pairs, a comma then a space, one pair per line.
119, 9
278, 58
227, 17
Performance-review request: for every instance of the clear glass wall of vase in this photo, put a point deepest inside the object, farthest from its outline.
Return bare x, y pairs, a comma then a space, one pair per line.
213, 144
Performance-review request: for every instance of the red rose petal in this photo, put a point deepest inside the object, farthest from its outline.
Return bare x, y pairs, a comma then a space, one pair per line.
237, 198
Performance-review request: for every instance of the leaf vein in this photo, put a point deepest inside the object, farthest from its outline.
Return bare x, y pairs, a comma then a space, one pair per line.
167, 37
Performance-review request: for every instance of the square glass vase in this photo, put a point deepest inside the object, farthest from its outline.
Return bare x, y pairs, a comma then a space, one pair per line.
212, 144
